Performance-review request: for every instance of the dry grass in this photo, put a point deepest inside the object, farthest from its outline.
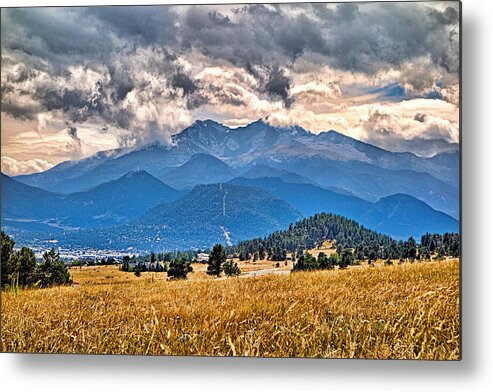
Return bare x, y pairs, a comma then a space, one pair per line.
405, 311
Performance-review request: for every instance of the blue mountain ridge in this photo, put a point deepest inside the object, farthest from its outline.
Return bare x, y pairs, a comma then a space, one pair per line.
242, 209
107, 204
399, 215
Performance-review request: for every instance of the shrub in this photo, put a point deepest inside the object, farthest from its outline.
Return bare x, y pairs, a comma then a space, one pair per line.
231, 268
179, 268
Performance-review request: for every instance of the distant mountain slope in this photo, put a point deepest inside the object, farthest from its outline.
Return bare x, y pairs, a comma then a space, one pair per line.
262, 170
156, 159
371, 182
399, 216
443, 166
404, 216
21, 201
119, 200
31, 208
309, 199
65, 171
258, 142
200, 169
250, 208
208, 214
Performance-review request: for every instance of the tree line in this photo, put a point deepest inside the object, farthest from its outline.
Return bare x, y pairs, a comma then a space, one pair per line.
179, 267
438, 245
20, 268
353, 244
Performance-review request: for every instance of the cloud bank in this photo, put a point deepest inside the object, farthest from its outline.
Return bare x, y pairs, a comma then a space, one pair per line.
139, 74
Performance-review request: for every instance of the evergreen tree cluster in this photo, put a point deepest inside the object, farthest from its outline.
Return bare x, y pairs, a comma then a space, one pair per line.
447, 244
307, 262
231, 268
354, 243
19, 268
179, 268
217, 262
310, 233
164, 257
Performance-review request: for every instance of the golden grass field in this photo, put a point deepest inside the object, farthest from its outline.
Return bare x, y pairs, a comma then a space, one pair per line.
403, 311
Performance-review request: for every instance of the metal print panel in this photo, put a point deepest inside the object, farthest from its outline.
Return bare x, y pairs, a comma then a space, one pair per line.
273, 180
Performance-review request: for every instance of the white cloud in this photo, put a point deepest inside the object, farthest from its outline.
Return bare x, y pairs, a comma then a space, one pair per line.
410, 126
451, 94
13, 167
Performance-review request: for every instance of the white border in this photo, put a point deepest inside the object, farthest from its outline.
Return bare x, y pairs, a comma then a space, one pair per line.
94, 373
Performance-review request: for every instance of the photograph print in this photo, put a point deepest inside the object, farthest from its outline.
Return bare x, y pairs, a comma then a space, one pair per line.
261, 180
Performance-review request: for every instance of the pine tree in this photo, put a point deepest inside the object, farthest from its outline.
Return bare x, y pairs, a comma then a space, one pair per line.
217, 257
9, 262
27, 265
323, 261
346, 258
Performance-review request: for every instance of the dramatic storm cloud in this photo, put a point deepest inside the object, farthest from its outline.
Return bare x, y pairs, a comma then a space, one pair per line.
79, 80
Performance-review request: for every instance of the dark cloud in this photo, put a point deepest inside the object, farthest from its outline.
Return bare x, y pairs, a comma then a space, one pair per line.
278, 84
420, 117
139, 52
25, 112
347, 11
356, 37
300, 35
76, 142
148, 25
448, 17
182, 81
72, 131
122, 89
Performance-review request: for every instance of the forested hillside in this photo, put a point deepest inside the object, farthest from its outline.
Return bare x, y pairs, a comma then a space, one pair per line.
363, 243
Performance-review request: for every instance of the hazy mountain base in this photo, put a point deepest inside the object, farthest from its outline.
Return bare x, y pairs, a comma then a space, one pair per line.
228, 213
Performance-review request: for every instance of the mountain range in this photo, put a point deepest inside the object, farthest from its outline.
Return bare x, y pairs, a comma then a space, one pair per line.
273, 175
107, 204
398, 215
329, 158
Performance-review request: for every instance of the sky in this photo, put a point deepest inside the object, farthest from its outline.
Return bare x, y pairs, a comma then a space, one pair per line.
80, 80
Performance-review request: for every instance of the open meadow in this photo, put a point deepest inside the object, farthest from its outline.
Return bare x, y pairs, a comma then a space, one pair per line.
403, 311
